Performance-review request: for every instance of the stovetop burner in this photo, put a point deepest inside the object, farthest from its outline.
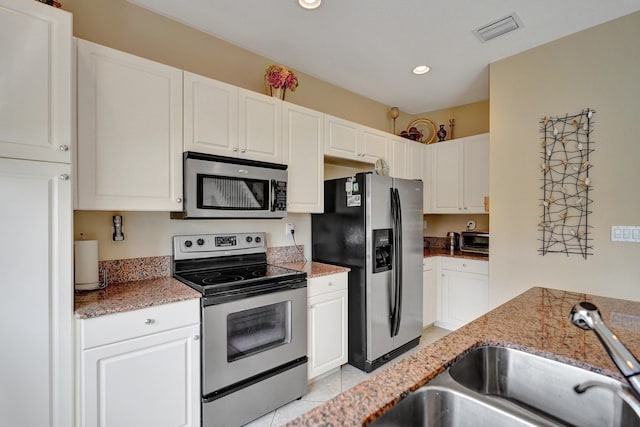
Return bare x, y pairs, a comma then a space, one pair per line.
230, 266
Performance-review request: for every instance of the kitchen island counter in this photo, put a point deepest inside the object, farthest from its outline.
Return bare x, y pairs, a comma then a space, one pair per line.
535, 322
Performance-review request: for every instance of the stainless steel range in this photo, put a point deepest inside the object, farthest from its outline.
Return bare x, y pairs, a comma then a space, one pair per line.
253, 325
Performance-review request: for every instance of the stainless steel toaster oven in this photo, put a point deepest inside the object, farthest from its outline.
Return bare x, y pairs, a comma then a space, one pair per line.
474, 242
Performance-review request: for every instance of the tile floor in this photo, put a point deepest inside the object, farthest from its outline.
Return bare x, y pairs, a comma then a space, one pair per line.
333, 384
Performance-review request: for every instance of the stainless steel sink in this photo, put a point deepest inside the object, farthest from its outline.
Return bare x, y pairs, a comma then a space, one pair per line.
494, 386
543, 385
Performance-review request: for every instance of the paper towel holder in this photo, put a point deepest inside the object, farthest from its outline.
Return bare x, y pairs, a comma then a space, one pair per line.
101, 284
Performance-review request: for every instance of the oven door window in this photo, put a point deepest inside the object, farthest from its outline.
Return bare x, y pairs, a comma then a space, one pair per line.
233, 193
258, 329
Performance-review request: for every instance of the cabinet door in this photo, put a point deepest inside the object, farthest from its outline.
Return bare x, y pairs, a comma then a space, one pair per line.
260, 127
303, 141
398, 153
476, 172
447, 177
465, 296
210, 116
149, 381
372, 146
427, 178
35, 81
327, 325
341, 138
415, 159
129, 131
36, 308
429, 293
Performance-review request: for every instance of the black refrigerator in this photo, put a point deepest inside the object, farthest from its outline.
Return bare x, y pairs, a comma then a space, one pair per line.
373, 225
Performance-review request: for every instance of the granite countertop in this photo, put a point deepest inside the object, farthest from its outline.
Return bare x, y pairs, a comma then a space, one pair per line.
535, 321
137, 294
315, 269
133, 295
429, 252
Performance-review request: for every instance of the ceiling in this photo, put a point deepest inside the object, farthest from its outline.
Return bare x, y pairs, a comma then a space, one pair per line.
370, 46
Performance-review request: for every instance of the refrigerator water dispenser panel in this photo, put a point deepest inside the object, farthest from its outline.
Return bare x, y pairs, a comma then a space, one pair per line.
383, 250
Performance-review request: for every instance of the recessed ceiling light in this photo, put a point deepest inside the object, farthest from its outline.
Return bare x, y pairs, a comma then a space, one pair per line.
310, 4
421, 69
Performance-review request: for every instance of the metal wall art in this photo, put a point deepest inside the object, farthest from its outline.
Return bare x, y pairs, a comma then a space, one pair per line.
566, 186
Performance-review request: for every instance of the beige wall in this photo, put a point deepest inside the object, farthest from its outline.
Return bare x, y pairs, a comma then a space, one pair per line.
149, 233
469, 119
440, 225
597, 68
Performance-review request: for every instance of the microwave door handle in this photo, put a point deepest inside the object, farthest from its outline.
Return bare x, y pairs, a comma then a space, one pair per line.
272, 192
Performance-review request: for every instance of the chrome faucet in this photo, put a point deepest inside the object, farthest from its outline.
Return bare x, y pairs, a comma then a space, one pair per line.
586, 316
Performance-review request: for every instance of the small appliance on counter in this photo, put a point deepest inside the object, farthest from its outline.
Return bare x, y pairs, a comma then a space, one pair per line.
454, 240
87, 274
475, 242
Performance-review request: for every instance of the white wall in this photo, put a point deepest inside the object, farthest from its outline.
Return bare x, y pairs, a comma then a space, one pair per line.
600, 69
149, 233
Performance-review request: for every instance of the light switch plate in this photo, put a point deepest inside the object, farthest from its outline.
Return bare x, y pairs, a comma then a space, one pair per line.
625, 233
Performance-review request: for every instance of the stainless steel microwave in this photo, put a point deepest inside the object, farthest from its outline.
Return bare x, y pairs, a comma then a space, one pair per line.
228, 187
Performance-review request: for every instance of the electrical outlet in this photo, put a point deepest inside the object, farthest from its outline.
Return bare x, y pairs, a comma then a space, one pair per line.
289, 230
471, 225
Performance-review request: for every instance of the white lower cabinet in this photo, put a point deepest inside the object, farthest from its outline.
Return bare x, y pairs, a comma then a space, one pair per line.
327, 323
429, 291
463, 291
141, 368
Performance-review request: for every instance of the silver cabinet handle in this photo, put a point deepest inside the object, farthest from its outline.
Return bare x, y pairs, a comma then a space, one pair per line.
179, 200
244, 150
149, 321
63, 148
64, 177
235, 148
464, 265
196, 337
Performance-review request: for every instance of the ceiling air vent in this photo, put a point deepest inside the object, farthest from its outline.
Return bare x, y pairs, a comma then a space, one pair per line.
498, 27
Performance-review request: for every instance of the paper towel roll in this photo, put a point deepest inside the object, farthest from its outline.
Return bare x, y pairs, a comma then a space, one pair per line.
86, 264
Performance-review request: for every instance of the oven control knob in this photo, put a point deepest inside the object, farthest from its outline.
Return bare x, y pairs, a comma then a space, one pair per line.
258, 239
188, 243
200, 242
249, 239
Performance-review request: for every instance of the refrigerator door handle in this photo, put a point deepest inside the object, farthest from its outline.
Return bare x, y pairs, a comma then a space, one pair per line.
399, 262
396, 294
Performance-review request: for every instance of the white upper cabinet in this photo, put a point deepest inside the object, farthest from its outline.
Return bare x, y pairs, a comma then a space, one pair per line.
303, 139
476, 172
341, 138
447, 176
347, 140
35, 81
129, 131
460, 174
373, 145
260, 127
210, 116
225, 120
398, 157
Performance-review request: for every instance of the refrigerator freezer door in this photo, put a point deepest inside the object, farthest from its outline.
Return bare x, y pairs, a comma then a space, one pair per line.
378, 292
412, 248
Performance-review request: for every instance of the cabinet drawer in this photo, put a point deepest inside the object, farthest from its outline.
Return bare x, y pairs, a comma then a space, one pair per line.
465, 265
323, 284
131, 324
429, 263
